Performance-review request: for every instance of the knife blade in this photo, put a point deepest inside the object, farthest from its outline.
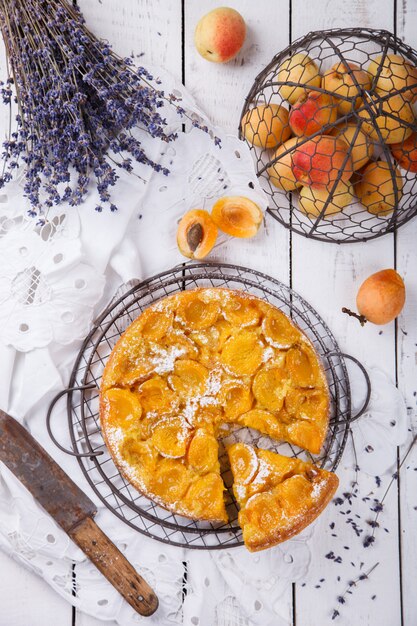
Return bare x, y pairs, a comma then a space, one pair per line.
57, 493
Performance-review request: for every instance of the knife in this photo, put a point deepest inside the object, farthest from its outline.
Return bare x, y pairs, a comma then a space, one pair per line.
72, 510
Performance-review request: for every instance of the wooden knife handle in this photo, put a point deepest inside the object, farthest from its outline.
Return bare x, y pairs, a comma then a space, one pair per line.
114, 566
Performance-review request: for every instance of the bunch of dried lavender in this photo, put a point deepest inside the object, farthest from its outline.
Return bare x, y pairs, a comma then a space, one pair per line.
78, 105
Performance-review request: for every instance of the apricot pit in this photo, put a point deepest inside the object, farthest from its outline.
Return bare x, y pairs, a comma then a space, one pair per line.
196, 234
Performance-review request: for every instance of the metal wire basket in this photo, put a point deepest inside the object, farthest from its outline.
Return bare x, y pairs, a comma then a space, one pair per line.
83, 411
319, 188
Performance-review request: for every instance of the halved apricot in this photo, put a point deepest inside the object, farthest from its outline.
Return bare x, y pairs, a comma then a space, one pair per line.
279, 331
294, 494
307, 435
196, 234
242, 353
263, 510
309, 404
264, 421
243, 462
123, 408
269, 388
156, 324
301, 366
242, 311
171, 480
171, 439
236, 398
237, 216
205, 498
189, 378
202, 452
157, 397
138, 454
197, 313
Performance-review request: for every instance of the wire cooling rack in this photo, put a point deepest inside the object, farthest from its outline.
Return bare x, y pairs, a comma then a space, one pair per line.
83, 409
352, 223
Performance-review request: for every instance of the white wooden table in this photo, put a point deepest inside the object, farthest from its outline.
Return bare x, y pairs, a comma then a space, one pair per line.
325, 274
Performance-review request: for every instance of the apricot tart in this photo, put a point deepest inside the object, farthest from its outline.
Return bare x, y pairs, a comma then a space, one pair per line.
277, 496
190, 363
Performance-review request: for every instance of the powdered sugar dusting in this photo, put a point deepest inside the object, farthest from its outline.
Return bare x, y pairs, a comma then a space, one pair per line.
164, 360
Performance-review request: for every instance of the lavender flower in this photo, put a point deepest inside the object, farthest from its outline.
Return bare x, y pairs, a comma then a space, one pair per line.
81, 108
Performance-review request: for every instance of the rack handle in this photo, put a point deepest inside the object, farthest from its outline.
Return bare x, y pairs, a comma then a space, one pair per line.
367, 380
48, 422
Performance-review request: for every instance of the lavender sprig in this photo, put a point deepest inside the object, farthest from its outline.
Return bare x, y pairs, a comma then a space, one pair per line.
80, 106
349, 589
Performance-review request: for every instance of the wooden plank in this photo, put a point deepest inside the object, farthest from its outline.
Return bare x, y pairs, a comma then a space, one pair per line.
220, 90
328, 276
407, 368
151, 27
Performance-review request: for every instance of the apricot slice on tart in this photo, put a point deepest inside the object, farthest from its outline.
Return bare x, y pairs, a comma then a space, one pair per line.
197, 312
139, 454
202, 452
278, 330
306, 435
189, 378
301, 367
309, 404
236, 398
122, 408
269, 388
237, 216
156, 396
171, 439
196, 234
264, 421
171, 480
242, 353
242, 312
244, 462
156, 324
205, 498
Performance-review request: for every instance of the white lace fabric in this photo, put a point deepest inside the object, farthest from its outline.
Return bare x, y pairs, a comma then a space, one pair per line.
53, 280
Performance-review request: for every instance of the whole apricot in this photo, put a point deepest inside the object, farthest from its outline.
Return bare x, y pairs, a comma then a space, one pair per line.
393, 118
405, 153
396, 73
266, 126
280, 173
237, 216
321, 160
311, 112
299, 69
312, 200
360, 145
381, 297
196, 234
220, 34
375, 188
346, 80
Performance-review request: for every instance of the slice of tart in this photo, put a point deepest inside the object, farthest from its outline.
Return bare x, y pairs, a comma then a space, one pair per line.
277, 496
